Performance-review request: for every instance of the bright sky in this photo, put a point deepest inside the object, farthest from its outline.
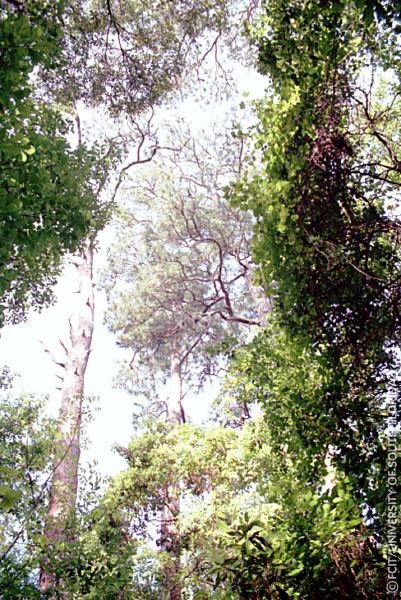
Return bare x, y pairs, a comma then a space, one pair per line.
23, 352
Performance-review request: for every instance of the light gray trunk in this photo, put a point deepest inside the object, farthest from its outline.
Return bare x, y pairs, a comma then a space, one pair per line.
175, 411
64, 484
169, 532
258, 295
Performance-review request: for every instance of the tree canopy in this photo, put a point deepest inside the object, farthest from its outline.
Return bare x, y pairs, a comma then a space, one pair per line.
48, 189
260, 252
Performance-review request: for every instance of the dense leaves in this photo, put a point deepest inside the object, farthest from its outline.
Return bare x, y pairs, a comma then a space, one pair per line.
48, 200
179, 269
325, 240
26, 445
327, 246
128, 55
253, 523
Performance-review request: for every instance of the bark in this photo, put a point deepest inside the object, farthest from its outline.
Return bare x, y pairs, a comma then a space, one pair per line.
175, 410
64, 484
258, 295
169, 533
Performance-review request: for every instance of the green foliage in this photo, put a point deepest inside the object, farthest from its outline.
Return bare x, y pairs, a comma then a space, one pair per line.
48, 207
288, 504
324, 239
26, 40
314, 541
95, 555
48, 202
154, 44
323, 193
306, 552
302, 394
175, 275
254, 522
98, 556
212, 468
8, 496
26, 444
98, 563
16, 580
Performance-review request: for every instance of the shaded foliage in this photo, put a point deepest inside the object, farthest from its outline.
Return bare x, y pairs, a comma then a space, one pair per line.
48, 202
26, 444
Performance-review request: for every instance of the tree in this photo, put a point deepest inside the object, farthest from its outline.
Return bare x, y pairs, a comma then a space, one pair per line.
37, 162
47, 202
96, 547
326, 245
27, 438
64, 481
253, 522
326, 241
189, 269
328, 162
311, 467
135, 86
107, 49
214, 466
128, 56
296, 500
183, 286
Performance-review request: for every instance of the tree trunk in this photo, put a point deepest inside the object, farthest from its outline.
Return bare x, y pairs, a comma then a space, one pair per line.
175, 411
64, 484
258, 295
169, 533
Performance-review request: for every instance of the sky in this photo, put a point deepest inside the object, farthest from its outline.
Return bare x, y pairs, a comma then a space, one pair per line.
22, 346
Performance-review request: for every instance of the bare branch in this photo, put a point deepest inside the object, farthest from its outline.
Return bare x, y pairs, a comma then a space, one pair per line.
46, 349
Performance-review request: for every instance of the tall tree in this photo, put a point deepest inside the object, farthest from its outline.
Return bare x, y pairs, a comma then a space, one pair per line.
177, 286
64, 484
327, 240
103, 69
327, 246
176, 273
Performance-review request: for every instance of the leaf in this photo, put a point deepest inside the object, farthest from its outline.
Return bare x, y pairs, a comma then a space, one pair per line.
8, 497
9, 471
296, 571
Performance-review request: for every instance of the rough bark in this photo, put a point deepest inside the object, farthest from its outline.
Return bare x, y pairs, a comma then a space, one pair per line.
64, 484
169, 533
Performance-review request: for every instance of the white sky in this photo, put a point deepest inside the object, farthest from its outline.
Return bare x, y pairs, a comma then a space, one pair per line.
22, 351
